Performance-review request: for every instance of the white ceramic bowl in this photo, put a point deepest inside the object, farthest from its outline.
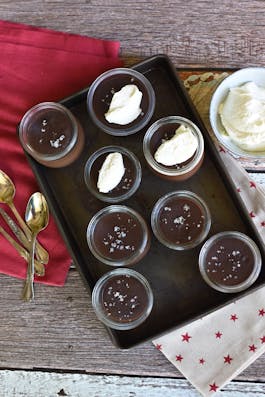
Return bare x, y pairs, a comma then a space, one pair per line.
255, 74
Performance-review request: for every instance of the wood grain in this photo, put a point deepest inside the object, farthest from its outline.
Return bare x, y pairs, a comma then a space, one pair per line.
41, 384
197, 33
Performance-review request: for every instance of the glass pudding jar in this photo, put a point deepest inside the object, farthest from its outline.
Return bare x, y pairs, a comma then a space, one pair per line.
163, 130
50, 133
122, 299
129, 183
118, 236
102, 91
230, 261
180, 220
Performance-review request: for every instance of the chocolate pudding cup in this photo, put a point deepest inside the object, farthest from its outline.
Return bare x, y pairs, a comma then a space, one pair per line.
180, 220
164, 129
129, 182
230, 261
50, 133
122, 299
118, 236
102, 90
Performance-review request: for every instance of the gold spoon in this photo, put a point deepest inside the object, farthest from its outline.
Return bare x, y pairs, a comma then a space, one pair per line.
7, 193
38, 266
37, 218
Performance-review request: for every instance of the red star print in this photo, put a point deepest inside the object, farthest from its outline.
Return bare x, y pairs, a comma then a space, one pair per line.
252, 348
262, 223
261, 312
251, 214
262, 339
218, 335
227, 359
238, 190
213, 387
252, 184
179, 358
233, 317
186, 337
221, 149
201, 361
159, 347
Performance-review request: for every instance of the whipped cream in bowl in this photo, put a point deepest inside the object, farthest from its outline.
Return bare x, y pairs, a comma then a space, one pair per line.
237, 114
121, 101
112, 174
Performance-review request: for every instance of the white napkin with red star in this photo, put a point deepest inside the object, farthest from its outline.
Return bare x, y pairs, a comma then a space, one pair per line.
216, 348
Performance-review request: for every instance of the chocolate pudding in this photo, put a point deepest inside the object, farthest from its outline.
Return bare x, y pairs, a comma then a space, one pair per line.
51, 134
180, 220
124, 298
164, 130
118, 236
129, 183
102, 91
230, 260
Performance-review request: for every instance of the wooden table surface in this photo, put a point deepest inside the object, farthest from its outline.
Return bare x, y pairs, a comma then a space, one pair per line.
56, 346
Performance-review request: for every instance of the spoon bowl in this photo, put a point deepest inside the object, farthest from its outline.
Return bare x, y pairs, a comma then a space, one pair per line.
37, 218
7, 194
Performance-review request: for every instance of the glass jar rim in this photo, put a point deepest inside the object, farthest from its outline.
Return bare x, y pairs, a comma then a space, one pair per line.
22, 129
125, 131
96, 297
111, 149
164, 170
203, 207
256, 268
93, 223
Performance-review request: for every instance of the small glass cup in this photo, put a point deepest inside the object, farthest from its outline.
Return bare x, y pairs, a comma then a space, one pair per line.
164, 129
129, 182
230, 261
50, 133
118, 236
122, 299
102, 90
180, 220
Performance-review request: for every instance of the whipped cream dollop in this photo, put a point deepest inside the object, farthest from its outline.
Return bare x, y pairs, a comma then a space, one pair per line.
243, 116
125, 105
111, 172
180, 148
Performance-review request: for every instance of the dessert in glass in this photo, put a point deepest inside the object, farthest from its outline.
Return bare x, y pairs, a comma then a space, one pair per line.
174, 148
230, 261
50, 133
113, 174
180, 220
122, 299
121, 101
118, 236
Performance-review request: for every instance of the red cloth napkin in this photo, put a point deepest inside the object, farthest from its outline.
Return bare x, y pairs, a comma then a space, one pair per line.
40, 65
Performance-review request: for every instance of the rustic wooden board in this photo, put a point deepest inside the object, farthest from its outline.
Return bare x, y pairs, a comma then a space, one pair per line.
43, 384
198, 33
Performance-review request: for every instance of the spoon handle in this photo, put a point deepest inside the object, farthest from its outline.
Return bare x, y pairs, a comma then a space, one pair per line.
38, 266
41, 252
28, 289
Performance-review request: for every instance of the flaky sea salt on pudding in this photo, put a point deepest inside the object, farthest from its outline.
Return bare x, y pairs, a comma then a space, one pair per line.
180, 220
118, 236
230, 261
122, 299
51, 134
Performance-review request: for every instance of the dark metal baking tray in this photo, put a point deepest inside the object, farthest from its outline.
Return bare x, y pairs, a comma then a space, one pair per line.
180, 294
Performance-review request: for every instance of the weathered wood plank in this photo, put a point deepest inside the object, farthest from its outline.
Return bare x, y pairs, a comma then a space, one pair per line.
197, 33
60, 332
41, 384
